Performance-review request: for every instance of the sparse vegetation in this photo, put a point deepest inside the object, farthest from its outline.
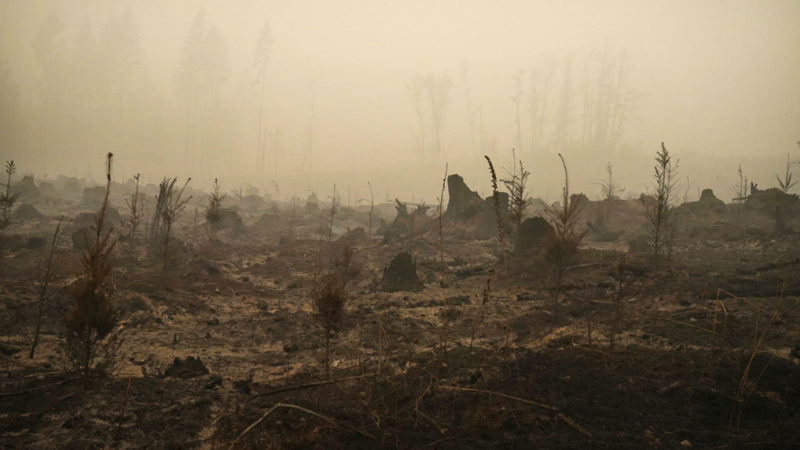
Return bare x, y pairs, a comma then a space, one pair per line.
498, 214
440, 214
561, 245
448, 357
90, 342
334, 209
7, 200
786, 183
49, 267
135, 206
213, 216
170, 203
661, 224
516, 187
609, 188
329, 299
371, 211
284, 315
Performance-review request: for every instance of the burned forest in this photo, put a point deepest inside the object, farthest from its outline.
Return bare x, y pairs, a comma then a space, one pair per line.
365, 225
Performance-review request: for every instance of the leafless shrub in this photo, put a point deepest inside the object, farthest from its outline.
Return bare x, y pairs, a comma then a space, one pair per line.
328, 301
170, 202
43, 291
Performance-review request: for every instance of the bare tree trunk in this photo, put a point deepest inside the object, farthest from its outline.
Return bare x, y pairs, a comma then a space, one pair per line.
260, 144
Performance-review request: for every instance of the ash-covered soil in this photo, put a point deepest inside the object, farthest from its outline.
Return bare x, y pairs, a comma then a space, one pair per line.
698, 351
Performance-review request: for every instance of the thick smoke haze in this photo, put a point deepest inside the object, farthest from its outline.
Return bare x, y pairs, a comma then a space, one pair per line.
347, 92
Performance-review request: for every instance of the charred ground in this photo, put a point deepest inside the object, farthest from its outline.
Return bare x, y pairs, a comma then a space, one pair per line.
701, 349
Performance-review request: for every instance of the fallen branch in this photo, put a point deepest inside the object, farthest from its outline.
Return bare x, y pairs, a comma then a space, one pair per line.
29, 391
298, 387
678, 322
558, 412
583, 266
330, 420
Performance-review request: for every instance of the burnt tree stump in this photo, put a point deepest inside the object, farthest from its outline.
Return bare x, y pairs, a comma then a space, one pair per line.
401, 275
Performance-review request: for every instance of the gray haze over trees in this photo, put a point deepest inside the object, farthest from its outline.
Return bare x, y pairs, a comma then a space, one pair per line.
294, 96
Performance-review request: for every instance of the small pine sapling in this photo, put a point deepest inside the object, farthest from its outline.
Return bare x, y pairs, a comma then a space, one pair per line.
661, 224
516, 188
213, 215
501, 237
609, 188
90, 342
740, 190
739, 197
7, 200
561, 245
136, 212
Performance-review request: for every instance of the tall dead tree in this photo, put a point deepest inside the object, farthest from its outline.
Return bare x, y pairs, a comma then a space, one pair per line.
262, 53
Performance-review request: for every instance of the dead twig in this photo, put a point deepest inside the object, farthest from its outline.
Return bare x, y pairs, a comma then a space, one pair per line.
736, 413
583, 266
325, 418
298, 387
558, 412
678, 322
124, 405
38, 388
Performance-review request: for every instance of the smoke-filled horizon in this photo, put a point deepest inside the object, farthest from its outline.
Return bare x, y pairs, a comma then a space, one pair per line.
293, 97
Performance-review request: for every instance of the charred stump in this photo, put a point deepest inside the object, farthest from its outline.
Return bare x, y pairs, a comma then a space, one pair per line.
532, 234
463, 203
401, 275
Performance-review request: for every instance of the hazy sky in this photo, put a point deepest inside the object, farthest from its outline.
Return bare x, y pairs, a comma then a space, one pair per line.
713, 79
